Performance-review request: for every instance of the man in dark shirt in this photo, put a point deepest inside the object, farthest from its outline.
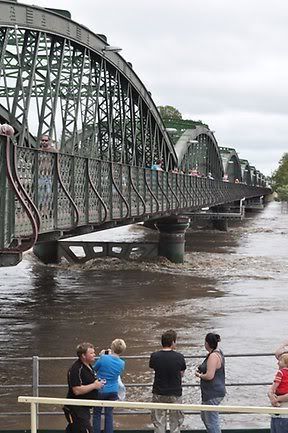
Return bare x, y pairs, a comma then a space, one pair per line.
169, 367
82, 383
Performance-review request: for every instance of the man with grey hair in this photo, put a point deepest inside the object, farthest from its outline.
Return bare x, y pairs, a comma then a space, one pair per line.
82, 384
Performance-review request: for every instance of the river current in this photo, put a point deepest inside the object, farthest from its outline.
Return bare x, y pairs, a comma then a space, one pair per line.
234, 283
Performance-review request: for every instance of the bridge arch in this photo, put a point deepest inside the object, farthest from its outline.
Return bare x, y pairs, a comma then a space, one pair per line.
59, 78
231, 164
254, 176
197, 149
246, 172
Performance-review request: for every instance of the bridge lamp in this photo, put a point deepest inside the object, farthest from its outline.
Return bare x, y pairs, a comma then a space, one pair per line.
111, 49
192, 141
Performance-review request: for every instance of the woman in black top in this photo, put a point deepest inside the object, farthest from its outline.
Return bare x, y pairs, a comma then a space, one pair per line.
212, 375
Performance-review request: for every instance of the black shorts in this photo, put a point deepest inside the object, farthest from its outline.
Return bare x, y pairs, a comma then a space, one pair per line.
79, 419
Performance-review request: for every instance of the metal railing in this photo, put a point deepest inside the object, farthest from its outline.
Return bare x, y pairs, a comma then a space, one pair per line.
34, 401
102, 192
36, 386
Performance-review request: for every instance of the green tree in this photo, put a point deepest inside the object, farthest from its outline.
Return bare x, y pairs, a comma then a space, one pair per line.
280, 176
169, 112
282, 192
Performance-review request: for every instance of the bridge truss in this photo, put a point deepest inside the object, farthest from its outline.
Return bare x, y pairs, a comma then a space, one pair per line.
60, 79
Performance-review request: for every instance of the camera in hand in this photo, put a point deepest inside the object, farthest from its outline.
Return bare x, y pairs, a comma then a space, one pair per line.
106, 352
202, 368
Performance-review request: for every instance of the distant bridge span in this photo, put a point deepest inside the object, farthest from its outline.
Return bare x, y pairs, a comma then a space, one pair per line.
60, 79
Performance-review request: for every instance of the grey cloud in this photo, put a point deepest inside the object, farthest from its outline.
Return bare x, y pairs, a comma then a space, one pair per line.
223, 62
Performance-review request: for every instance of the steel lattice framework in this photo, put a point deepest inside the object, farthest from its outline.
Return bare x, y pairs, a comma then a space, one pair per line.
231, 164
87, 99
197, 149
58, 78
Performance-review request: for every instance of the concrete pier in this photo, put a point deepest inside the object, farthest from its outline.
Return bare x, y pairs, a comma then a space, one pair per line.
47, 251
172, 237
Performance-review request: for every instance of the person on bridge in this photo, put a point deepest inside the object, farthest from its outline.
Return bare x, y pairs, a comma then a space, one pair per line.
7, 130
82, 384
210, 176
169, 367
157, 166
108, 367
45, 179
212, 375
45, 143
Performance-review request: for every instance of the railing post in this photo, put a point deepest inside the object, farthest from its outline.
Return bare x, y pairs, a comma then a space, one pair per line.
34, 422
35, 387
3, 195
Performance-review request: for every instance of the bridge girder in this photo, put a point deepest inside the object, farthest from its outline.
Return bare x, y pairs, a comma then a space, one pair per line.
197, 149
56, 78
246, 172
231, 164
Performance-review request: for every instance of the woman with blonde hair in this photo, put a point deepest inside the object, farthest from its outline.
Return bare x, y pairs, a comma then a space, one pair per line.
108, 367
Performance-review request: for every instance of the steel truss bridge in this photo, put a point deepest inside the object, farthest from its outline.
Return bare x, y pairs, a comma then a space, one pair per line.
60, 79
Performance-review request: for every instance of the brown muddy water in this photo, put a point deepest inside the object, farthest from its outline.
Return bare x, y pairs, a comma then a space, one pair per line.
233, 283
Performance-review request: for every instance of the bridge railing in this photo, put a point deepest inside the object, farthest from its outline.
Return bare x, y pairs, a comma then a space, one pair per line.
34, 401
43, 368
51, 191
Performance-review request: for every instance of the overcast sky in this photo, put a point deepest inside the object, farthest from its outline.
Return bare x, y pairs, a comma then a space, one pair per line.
220, 61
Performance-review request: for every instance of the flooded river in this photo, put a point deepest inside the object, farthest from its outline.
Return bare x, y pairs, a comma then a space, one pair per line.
233, 283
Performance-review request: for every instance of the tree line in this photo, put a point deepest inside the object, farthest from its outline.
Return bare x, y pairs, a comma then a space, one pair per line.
280, 178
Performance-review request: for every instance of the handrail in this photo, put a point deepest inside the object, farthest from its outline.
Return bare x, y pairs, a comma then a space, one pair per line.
140, 405
35, 386
268, 410
71, 358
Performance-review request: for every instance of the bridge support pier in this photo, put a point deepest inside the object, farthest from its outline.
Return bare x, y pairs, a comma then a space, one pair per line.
47, 252
256, 203
221, 225
150, 224
172, 237
10, 259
